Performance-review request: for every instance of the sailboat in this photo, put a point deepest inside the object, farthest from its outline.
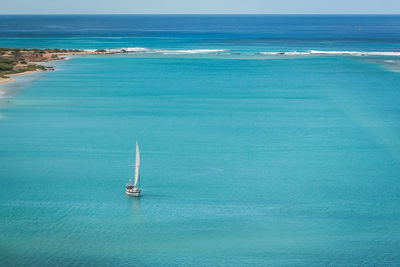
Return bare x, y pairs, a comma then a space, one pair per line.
132, 189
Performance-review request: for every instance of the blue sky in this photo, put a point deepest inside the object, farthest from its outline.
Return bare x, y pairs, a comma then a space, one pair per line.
200, 7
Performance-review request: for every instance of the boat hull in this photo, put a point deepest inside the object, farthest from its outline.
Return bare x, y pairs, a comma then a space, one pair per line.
132, 194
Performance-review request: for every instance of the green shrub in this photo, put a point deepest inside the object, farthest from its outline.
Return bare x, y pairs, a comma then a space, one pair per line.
16, 52
5, 67
7, 60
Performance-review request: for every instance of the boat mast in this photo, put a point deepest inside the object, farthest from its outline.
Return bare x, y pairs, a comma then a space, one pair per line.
137, 165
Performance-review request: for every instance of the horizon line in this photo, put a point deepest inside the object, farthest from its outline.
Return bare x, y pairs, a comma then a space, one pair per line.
202, 14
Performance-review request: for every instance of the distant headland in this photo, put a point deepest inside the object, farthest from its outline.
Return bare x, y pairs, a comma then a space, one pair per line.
17, 61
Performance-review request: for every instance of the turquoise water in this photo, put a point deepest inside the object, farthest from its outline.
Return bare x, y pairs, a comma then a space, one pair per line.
246, 159
244, 162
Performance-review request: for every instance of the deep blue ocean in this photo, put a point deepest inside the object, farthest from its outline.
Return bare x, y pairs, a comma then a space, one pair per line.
266, 140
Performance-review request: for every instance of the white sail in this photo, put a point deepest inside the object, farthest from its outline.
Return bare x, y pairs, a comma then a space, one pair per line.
137, 165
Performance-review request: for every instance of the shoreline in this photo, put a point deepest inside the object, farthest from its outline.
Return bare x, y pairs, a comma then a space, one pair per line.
12, 79
32, 58
6, 80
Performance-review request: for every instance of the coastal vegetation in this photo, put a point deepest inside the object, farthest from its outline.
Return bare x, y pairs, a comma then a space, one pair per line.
17, 60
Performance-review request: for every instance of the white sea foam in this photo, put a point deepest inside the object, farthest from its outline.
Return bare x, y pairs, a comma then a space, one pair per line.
350, 53
174, 52
289, 53
334, 53
341, 53
144, 50
166, 51
384, 53
190, 51
136, 49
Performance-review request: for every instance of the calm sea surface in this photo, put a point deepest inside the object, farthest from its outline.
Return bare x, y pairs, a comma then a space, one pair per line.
246, 158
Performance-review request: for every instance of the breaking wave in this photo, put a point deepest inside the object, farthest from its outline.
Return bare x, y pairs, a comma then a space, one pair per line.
144, 50
167, 51
335, 53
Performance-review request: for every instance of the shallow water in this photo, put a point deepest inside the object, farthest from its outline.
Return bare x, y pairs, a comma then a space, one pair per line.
285, 161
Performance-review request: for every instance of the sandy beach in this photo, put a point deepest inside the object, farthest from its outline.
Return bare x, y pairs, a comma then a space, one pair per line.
11, 78
6, 80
